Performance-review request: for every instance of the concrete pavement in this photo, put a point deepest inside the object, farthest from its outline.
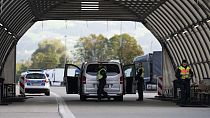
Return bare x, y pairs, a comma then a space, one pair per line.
40, 106
149, 108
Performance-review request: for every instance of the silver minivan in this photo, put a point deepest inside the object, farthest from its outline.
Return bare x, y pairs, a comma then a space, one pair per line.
86, 84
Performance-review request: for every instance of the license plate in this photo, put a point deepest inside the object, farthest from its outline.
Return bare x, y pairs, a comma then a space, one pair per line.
36, 84
106, 86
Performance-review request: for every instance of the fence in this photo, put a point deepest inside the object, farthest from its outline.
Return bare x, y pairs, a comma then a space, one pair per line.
9, 90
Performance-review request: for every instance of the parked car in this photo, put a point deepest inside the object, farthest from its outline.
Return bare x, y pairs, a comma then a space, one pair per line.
36, 81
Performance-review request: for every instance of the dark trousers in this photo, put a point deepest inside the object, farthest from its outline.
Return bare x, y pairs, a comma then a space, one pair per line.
140, 88
185, 90
100, 90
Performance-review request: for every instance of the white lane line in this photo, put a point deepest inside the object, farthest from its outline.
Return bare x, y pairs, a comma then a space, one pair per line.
63, 109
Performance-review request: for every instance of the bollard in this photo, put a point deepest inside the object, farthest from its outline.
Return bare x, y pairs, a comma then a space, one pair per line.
22, 86
160, 86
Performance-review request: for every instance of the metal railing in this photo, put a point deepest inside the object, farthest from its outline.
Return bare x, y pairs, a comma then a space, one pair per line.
9, 90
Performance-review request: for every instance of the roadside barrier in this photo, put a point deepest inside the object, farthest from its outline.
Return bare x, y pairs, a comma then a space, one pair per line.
22, 86
9, 91
160, 86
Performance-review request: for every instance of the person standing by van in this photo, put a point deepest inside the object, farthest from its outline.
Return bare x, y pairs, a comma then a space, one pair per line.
101, 77
184, 74
140, 82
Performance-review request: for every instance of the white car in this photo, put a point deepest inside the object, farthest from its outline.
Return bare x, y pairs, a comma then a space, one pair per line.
37, 82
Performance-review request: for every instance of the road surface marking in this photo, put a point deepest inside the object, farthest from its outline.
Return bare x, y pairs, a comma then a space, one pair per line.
63, 109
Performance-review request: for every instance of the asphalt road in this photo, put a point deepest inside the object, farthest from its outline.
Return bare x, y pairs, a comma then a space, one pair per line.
60, 105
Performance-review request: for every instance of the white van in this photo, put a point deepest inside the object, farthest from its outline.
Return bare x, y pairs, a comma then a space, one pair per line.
86, 84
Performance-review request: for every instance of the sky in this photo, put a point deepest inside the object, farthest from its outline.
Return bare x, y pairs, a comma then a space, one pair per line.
73, 30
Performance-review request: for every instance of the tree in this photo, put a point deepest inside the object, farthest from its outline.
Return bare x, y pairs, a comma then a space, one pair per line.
92, 48
22, 66
124, 47
99, 48
50, 54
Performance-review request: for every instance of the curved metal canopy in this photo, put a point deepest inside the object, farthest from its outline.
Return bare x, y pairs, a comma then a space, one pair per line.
181, 26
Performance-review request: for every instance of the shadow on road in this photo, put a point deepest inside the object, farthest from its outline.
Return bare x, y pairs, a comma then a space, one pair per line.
128, 101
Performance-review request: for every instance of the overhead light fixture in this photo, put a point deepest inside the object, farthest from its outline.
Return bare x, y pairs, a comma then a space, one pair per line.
168, 39
175, 34
208, 21
14, 37
5, 29
1, 24
184, 32
9, 33
89, 6
196, 26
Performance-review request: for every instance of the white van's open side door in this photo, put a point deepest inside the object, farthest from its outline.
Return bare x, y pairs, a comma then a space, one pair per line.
130, 81
71, 78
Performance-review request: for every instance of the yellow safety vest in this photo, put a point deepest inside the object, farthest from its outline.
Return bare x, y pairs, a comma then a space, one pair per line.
142, 74
99, 75
185, 72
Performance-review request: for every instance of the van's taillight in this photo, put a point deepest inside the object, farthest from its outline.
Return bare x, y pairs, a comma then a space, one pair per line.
121, 80
83, 79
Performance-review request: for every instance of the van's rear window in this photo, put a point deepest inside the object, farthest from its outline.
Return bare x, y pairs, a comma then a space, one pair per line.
35, 76
111, 69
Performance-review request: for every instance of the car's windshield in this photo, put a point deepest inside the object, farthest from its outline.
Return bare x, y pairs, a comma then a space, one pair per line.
111, 69
35, 76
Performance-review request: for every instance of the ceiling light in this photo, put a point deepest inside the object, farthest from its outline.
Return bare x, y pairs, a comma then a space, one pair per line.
9, 33
89, 5
175, 34
208, 20
184, 32
1, 24
196, 26
5, 29
14, 37
168, 39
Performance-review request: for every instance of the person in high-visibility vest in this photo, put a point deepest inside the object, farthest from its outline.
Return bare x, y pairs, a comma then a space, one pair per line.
101, 77
140, 82
184, 74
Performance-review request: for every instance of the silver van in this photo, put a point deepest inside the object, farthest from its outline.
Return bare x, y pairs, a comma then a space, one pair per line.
85, 83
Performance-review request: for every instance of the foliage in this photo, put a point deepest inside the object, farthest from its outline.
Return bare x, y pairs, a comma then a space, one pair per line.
22, 67
99, 48
50, 54
124, 47
91, 48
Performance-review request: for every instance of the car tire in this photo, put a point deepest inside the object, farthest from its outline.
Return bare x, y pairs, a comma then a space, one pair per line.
119, 98
47, 93
82, 98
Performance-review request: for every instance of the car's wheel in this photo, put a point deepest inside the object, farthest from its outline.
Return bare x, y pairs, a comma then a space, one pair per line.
119, 98
47, 93
82, 98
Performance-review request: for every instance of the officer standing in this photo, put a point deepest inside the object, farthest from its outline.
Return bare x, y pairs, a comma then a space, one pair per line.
140, 82
101, 77
184, 74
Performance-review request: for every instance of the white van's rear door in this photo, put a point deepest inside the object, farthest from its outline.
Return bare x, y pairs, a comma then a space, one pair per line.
71, 78
130, 81
113, 83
